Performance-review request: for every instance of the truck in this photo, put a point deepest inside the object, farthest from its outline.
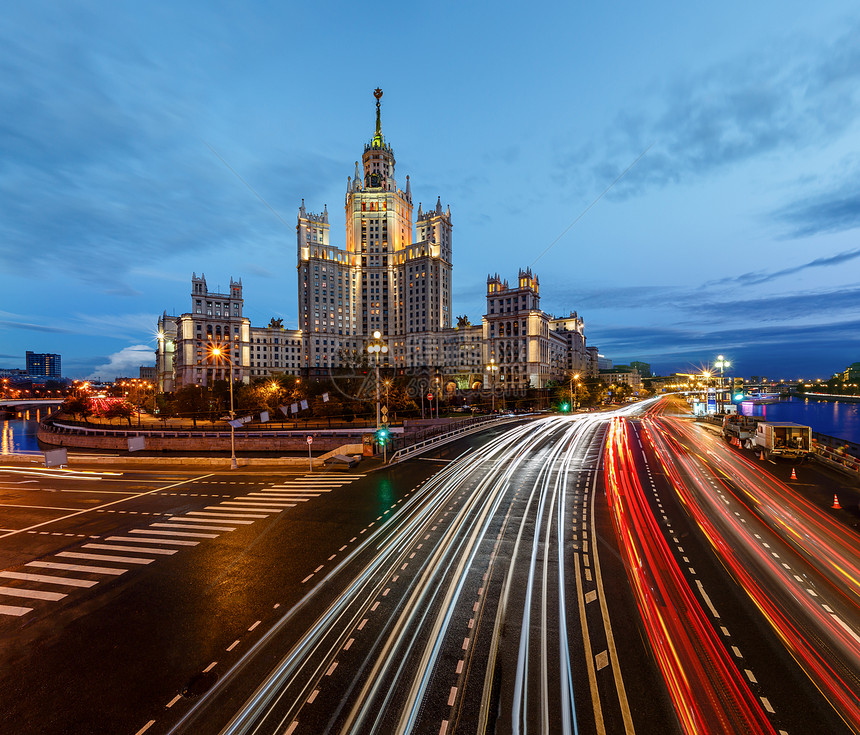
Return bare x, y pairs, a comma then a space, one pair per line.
783, 439
739, 430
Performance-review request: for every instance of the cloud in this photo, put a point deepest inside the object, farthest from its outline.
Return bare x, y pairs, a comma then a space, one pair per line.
99, 180
758, 277
835, 209
29, 327
779, 307
726, 115
125, 363
769, 350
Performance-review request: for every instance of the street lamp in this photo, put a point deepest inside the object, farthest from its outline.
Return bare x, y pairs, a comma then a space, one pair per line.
374, 348
219, 353
721, 363
492, 368
572, 378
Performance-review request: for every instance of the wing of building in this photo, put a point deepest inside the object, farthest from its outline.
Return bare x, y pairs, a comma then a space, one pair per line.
393, 275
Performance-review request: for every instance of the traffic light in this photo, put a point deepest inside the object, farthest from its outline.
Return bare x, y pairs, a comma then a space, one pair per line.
382, 435
565, 407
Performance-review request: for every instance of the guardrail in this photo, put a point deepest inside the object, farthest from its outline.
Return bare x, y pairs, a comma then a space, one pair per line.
474, 425
59, 428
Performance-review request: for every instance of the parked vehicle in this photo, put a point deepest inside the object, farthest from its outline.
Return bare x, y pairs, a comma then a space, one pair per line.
783, 439
739, 430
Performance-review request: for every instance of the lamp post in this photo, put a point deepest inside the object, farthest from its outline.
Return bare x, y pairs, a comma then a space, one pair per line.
219, 353
374, 348
721, 363
492, 368
573, 377
706, 374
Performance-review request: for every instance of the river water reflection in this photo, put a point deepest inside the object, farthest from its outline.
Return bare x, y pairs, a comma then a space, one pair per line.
834, 418
18, 436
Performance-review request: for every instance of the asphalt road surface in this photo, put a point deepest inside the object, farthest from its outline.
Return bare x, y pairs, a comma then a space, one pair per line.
564, 575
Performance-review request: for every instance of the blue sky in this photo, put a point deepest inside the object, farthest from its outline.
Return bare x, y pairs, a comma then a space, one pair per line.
736, 232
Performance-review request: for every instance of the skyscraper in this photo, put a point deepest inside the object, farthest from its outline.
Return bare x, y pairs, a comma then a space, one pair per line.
386, 278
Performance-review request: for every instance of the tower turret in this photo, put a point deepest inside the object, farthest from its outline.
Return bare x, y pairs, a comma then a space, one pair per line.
378, 158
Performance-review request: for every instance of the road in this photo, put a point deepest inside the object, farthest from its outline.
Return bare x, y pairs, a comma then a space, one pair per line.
503, 583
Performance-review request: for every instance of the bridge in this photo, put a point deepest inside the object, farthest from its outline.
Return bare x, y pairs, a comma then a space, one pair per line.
13, 405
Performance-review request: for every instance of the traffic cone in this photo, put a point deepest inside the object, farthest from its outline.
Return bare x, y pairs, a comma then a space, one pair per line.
836, 503
793, 474
761, 456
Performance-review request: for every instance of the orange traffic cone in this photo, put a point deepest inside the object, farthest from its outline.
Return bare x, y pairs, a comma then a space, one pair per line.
836, 503
793, 474
761, 456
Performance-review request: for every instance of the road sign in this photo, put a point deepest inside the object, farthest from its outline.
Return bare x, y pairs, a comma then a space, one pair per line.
310, 440
429, 396
56, 458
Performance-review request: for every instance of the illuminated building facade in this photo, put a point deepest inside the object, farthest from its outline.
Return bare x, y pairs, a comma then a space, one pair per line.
183, 353
383, 279
392, 275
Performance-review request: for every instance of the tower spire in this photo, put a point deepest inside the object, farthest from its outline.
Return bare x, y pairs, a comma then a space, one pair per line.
377, 137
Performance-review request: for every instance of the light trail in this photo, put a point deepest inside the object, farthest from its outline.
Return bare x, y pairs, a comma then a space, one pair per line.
706, 688
765, 534
516, 484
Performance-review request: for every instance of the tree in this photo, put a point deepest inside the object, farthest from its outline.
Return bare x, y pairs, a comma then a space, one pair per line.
119, 410
190, 402
78, 406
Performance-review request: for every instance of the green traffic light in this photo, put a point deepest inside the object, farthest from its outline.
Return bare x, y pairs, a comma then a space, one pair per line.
565, 406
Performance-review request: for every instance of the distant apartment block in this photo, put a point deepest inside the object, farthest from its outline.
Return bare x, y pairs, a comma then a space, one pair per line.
44, 365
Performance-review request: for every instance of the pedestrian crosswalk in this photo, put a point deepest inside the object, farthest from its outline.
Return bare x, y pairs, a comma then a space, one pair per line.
99, 559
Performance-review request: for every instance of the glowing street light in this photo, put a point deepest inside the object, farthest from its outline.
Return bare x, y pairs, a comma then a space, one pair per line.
721, 363
374, 348
218, 354
492, 368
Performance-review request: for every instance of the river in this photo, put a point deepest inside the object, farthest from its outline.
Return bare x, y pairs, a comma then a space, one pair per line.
18, 436
834, 418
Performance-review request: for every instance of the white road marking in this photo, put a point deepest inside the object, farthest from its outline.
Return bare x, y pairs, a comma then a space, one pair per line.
186, 519
31, 594
106, 557
222, 509
12, 610
48, 579
202, 528
106, 505
144, 549
226, 514
142, 540
76, 567
258, 509
176, 533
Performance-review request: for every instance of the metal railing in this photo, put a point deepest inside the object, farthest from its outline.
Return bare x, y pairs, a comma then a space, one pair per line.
440, 438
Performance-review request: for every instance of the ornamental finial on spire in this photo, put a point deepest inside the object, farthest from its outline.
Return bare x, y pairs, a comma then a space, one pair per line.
377, 138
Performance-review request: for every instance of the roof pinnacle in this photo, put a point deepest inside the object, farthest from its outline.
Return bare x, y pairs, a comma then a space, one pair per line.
377, 138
